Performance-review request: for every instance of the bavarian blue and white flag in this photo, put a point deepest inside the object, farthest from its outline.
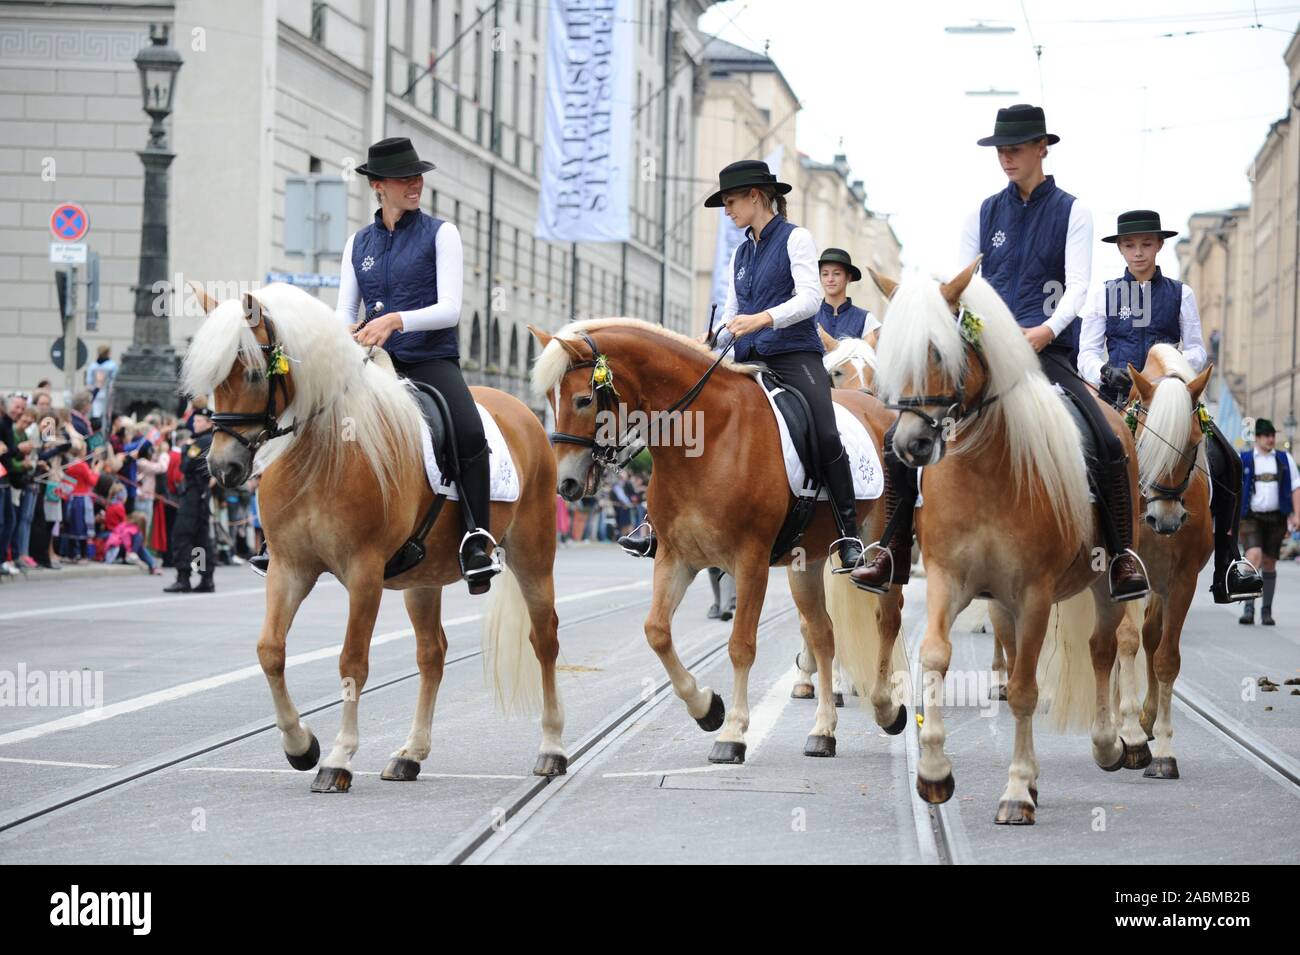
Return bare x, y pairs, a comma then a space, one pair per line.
729, 237
587, 140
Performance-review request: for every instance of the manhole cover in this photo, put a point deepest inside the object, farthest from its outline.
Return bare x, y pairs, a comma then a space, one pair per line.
748, 784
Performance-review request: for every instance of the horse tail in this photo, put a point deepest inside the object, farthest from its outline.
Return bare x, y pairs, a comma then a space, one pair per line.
508, 655
1065, 678
854, 618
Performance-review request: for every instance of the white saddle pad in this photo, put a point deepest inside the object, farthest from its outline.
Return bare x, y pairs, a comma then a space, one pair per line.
504, 479
864, 462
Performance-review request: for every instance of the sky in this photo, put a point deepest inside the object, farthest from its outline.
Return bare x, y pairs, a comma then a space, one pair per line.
1170, 123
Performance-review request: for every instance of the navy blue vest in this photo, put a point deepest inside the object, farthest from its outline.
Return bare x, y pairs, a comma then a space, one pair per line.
849, 323
1284, 488
399, 269
1137, 317
1024, 253
763, 280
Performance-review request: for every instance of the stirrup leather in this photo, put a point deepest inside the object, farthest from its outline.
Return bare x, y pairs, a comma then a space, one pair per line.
1110, 583
496, 564
861, 557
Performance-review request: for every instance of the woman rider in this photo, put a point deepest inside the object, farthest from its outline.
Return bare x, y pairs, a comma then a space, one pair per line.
772, 304
1114, 318
407, 269
1036, 242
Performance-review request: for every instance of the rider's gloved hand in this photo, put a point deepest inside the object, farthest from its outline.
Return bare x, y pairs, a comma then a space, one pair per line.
1117, 379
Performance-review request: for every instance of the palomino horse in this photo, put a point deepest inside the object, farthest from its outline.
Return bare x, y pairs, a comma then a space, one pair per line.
1006, 501
717, 501
343, 487
1176, 540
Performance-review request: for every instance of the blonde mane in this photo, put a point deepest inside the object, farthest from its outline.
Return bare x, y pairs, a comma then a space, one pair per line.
343, 401
553, 362
1162, 443
1040, 433
851, 351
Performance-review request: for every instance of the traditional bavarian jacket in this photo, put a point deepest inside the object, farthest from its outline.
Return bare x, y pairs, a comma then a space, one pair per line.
1128, 317
849, 322
417, 269
1037, 256
778, 274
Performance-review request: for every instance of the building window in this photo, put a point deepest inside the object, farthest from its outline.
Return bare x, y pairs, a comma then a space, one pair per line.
514, 350
478, 237
494, 350
318, 23
475, 340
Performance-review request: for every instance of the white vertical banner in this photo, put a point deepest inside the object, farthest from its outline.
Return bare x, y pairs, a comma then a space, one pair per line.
729, 237
587, 141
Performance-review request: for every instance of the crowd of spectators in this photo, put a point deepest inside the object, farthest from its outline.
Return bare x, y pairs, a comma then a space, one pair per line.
615, 509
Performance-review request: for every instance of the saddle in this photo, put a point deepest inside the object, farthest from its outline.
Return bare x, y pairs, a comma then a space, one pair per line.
798, 419
1088, 439
442, 433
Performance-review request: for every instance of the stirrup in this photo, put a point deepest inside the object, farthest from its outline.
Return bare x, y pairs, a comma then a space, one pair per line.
1110, 584
861, 557
1251, 572
259, 561
632, 550
495, 564
889, 581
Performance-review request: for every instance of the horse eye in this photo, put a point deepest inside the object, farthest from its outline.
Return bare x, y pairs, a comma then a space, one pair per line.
581, 401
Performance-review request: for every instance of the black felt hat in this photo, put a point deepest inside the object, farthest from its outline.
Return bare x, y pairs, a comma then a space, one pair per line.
840, 257
1137, 221
1264, 427
747, 172
1021, 123
393, 159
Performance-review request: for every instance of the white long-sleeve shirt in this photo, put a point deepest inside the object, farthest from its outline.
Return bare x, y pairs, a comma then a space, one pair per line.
1092, 336
807, 298
451, 286
1078, 262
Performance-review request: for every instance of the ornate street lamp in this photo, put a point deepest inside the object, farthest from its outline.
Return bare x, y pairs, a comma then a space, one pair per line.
147, 379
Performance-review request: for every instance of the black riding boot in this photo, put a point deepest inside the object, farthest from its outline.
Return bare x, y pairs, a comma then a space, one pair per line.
476, 563
839, 488
1234, 578
260, 561
1127, 578
892, 562
639, 546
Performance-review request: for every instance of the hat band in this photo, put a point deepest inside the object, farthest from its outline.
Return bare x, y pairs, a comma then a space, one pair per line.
1142, 225
1019, 127
394, 162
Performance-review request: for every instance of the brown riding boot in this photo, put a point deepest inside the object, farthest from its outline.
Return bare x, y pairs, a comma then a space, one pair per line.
892, 560
1128, 579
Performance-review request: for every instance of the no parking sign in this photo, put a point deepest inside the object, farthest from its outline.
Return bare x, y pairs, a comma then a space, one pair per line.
69, 222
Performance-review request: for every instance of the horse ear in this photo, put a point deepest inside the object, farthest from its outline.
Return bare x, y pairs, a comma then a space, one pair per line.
952, 290
252, 310
887, 286
205, 300
1197, 385
829, 342
543, 339
1143, 387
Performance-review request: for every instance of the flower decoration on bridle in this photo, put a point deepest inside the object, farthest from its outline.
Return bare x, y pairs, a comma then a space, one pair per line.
602, 376
971, 327
277, 363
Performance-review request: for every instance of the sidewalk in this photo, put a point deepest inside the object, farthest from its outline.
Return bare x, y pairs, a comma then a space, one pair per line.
72, 572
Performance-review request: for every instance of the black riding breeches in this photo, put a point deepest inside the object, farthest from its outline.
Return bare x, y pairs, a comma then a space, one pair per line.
804, 372
1225, 496
445, 375
1058, 369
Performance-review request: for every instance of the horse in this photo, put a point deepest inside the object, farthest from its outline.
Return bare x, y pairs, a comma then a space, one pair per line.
717, 501
1007, 509
851, 362
1176, 540
337, 439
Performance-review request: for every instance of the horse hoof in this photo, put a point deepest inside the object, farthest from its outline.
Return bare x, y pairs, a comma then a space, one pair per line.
998, 693
936, 793
1162, 767
724, 752
838, 699
331, 779
899, 724
1137, 757
712, 720
802, 691
819, 746
1033, 794
401, 770
1119, 763
551, 764
1014, 812
307, 760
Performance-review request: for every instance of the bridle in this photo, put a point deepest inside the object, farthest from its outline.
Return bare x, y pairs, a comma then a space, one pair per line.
227, 421
616, 455
957, 410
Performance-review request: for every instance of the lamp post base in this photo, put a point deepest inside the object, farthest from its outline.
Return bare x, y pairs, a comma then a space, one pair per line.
147, 380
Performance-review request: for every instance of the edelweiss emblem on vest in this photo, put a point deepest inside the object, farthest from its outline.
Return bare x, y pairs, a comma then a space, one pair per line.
366, 263
1125, 311
999, 237
740, 273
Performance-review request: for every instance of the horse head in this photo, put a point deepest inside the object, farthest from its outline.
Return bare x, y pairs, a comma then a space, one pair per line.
568, 372
1166, 415
851, 362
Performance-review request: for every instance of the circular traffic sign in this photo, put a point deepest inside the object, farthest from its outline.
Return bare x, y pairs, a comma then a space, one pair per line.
69, 222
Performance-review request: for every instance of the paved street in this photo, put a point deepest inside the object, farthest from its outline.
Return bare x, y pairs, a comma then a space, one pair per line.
191, 769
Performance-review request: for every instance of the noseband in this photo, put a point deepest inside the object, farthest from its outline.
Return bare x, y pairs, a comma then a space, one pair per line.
227, 421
